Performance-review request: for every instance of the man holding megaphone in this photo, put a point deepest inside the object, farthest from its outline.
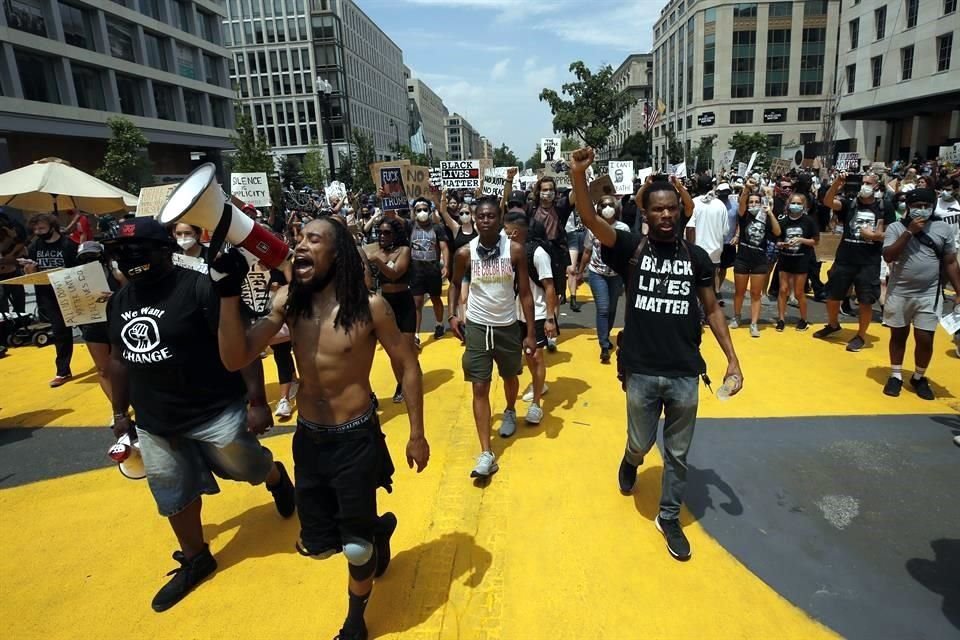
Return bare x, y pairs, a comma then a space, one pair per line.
193, 418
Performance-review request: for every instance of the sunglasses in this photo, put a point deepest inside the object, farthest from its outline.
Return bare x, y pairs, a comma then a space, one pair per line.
421, 210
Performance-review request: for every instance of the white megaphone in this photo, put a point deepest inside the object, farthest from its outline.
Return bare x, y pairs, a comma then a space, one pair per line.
126, 453
200, 201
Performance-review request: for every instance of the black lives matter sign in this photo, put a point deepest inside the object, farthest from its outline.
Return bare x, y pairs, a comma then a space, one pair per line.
460, 174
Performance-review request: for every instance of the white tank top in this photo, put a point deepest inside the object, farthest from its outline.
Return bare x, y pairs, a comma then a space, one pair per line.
492, 300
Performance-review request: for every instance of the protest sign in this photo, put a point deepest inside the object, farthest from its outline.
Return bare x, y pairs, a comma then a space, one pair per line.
394, 195
416, 182
753, 158
561, 180
435, 180
622, 173
680, 170
495, 181
779, 166
794, 155
727, 158
644, 174
255, 291
152, 199
602, 186
485, 164
40, 277
80, 293
848, 161
950, 154
549, 150
460, 174
189, 262
252, 188
335, 190
376, 166
742, 169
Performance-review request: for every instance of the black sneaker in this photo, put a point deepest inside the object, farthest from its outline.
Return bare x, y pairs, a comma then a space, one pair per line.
189, 574
802, 325
575, 306
893, 386
284, 495
780, 325
605, 356
355, 634
386, 525
438, 332
677, 543
922, 387
846, 309
855, 344
826, 331
627, 476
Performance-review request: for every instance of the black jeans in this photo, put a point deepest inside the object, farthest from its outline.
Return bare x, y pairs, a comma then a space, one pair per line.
12, 295
62, 334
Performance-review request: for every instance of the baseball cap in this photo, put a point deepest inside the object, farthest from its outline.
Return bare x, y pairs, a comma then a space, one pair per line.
922, 195
140, 229
89, 247
518, 197
723, 186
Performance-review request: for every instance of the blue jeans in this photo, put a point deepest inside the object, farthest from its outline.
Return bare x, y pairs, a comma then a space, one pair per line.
606, 294
677, 400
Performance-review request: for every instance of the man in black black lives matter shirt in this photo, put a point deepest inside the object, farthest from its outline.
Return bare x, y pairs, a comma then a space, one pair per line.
193, 419
660, 353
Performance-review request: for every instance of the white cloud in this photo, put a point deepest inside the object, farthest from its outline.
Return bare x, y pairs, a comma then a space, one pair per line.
499, 70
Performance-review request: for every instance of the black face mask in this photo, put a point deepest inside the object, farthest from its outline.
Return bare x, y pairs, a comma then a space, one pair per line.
46, 236
142, 264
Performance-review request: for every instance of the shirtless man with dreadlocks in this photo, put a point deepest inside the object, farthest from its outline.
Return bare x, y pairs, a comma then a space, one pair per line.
339, 452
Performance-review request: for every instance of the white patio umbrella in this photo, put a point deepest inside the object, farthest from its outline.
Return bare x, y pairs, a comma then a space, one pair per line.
51, 184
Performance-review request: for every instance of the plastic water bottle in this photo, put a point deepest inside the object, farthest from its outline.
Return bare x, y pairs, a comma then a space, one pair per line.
730, 384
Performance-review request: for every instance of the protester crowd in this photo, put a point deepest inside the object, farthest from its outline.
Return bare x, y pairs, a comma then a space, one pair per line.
183, 346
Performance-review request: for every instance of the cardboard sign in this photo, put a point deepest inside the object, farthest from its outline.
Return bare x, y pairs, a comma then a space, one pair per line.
727, 158
336, 190
252, 188
255, 291
376, 166
40, 277
549, 150
848, 161
495, 181
395, 197
460, 174
753, 158
950, 155
152, 199
189, 262
779, 166
80, 293
416, 182
621, 171
602, 186
562, 180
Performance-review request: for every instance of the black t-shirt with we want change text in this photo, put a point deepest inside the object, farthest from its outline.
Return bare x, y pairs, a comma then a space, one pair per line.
166, 334
662, 318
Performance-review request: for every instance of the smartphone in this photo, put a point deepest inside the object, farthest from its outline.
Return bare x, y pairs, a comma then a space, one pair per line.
852, 185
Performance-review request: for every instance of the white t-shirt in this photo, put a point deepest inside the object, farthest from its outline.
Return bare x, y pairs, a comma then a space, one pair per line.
541, 262
949, 212
710, 220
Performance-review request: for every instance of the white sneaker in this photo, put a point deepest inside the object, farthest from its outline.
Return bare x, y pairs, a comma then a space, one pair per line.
509, 424
734, 323
754, 331
528, 394
534, 414
284, 410
486, 465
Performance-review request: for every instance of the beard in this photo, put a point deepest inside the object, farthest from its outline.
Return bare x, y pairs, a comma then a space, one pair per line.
300, 301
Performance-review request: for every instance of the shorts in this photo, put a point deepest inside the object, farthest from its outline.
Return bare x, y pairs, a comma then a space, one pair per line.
337, 471
488, 344
899, 312
865, 279
425, 279
751, 262
96, 332
539, 328
404, 309
728, 256
181, 467
796, 265
575, 241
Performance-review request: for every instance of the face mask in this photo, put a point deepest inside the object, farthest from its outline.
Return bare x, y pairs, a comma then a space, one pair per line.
46, 236
546, 196
186, 242
947, 195
866, 191
468, 199
464, 218
423, 216
608, 212
141, 265
901, 206
754, 210
922, 214
795, 209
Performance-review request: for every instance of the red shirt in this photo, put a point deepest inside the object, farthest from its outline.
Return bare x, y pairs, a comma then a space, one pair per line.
82, 231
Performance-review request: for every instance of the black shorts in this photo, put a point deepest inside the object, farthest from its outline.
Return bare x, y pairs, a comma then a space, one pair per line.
96, 332
404, 309
797, 265
539, 327
425, 279
865, 279
728, 256
751, 262
337, 471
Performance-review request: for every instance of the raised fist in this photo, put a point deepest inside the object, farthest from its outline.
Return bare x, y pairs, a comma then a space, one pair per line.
581, 159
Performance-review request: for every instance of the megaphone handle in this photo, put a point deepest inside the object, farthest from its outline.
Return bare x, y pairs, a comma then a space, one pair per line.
220, 233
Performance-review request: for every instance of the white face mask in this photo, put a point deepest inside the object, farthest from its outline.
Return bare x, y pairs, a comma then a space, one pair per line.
753, 210
423, 216
866, 191
546, 196
608, 212
464, 218
186, 242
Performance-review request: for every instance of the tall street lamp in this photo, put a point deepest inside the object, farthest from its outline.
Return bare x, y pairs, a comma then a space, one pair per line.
325, 93
393, 123
430, 152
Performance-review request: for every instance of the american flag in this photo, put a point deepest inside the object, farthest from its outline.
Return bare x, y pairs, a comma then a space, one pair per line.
651, 116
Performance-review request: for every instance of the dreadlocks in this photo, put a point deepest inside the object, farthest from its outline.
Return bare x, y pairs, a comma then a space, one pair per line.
346, 273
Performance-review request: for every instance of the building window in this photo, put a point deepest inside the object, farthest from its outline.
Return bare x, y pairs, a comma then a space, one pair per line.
813, 8
906, 63
209, 26
219, 108
778, 62
710, 16
120, 35
855, 33
151, 8
808, 114
781, 9
37, 77
709, 64
745, 10
743, 64
949, 6
774, 142
131, 96
808, 138
912, 8
812, 59
77, 26
741, 116
191, 104
89, 87
26, 15
212, 68
876, 70
164, 98
944, 50
880, 20
186, 63
155, 54
851, 78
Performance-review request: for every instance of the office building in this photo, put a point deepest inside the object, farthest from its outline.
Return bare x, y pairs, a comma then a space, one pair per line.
433, 116
899, 77
722, 67
635, 76
65, 68
463, 141
293, 42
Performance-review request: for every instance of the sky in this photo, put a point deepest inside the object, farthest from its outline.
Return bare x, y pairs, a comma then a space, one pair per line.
489, 59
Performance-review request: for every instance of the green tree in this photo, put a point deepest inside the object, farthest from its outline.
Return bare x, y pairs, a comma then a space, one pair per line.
534, 161
504, 157
419, 159
291, 173
252, 152
673, 148
569, 144
357, 175
747, 143
594, 109
314, 167
703, 153
125, 164
637, 148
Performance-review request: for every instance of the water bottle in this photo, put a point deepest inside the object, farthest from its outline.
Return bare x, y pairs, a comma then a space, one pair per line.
730, 384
